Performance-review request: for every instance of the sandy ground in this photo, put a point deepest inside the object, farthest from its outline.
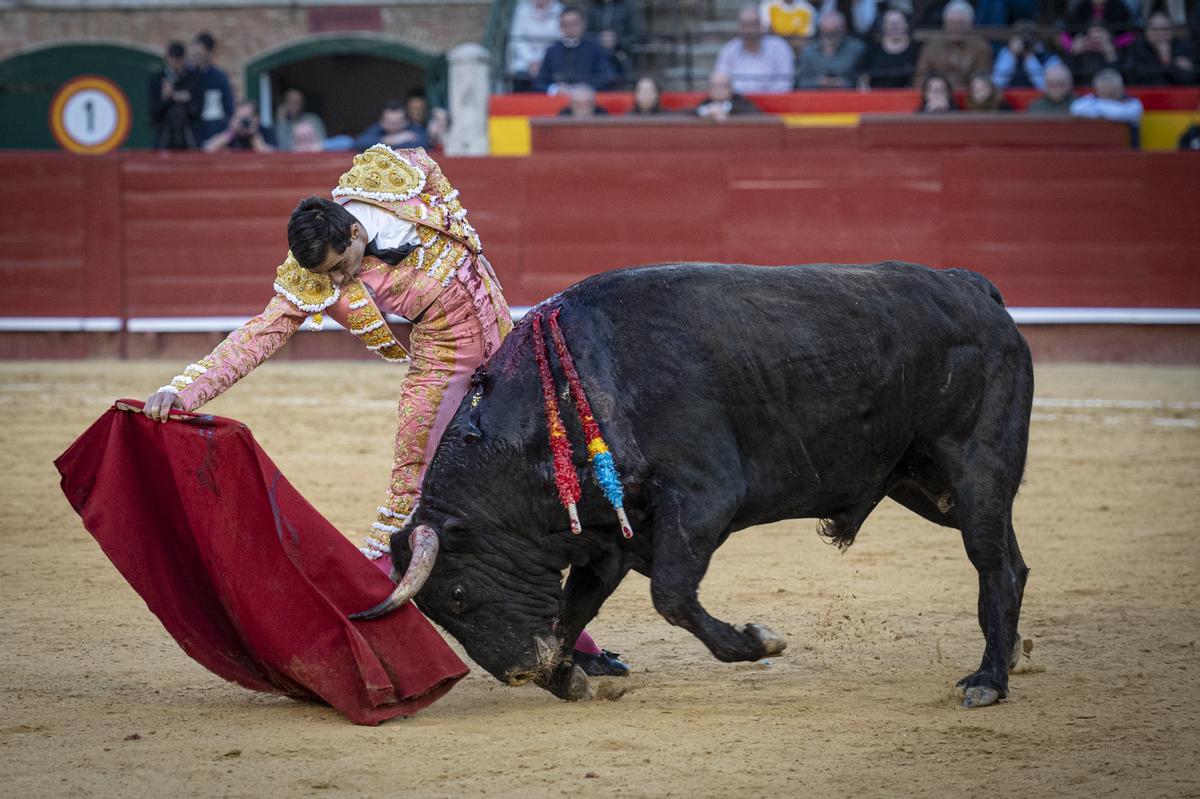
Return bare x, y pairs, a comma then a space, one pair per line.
96, 699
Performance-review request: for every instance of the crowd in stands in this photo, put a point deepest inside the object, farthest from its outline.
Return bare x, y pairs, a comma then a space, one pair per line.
192, 107
796, 44
784, 45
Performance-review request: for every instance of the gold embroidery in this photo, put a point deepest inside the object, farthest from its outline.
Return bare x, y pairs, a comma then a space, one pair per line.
304, 288
368, 324
381, 174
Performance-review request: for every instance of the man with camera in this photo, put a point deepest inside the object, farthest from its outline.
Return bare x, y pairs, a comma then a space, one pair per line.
244, 133
175, 102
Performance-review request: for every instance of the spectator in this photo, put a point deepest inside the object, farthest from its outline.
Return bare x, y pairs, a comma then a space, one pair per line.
574, 58
1157, 58
392, 129
936, 95
1059, 92
581, 103
289, 114
757, 63
438, 128
868, 16
1092, 53
534, 28
1108, 101
217, 106
306, 137
175, 102
647, 98
722, 101
618, 26
791, 18
416, 111
1022, 62
889, 62
243, 134
832, 63
958, 53
982, 95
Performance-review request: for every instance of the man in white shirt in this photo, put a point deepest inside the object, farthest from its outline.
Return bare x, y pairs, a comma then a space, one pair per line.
757, 63
1109, 101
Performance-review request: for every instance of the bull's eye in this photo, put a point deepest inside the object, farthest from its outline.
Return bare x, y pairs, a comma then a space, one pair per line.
458, 599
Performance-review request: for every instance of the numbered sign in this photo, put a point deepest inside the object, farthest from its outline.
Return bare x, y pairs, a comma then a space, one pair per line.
90, 115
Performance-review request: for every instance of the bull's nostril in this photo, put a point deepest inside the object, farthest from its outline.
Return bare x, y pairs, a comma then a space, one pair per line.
520, 678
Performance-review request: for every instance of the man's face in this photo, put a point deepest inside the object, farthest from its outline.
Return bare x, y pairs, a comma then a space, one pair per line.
749, 26
1058, 85
417, 108
572, 25
343, 267
957, 23
1108, 89
393, 120
831, 28
199, 54
293, 103
894, 24
1158, 31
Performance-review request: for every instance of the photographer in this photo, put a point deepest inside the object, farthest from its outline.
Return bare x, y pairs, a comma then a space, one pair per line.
175, 103
244, 133
1022, 62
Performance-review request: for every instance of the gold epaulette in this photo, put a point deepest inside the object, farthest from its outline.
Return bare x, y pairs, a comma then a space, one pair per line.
304, 288
381, 173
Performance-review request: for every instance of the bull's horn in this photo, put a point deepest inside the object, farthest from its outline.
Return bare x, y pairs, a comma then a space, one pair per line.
423, 542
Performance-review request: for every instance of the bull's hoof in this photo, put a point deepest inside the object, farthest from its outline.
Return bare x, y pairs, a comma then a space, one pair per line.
980, 696
979, 690
772, 642
568, 682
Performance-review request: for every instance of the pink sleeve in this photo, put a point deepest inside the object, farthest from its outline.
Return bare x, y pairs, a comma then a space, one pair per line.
236, 356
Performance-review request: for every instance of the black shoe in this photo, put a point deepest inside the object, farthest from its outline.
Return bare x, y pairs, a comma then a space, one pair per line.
605, 664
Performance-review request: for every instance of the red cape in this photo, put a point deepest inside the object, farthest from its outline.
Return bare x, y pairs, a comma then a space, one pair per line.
248, 577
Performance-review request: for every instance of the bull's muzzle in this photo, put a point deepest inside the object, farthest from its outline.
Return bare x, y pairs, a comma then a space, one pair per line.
423, 542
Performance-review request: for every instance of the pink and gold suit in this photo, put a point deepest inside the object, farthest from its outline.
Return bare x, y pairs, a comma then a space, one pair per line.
445, 285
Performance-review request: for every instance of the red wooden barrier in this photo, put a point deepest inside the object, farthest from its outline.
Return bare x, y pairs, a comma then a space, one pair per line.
147, 235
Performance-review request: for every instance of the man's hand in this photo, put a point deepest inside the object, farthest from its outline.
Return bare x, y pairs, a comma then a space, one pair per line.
159, 406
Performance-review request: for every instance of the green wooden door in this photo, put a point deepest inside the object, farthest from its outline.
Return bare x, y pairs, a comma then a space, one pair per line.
28, 83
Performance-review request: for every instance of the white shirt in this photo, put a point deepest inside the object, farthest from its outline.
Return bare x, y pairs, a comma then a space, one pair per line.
387, 230
1128, 109
771, 69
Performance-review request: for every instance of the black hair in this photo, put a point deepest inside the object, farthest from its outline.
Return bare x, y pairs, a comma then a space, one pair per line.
573, 10
316, 226
418, 91
175, 49
205, 38
394, 104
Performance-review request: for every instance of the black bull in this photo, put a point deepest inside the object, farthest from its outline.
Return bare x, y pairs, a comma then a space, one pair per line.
730, 396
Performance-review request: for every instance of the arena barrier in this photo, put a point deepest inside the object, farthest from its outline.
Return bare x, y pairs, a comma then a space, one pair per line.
141, 254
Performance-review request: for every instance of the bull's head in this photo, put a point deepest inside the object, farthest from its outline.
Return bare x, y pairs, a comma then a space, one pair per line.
501, 605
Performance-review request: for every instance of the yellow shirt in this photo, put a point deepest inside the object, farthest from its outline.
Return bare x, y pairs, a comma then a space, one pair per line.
788, 19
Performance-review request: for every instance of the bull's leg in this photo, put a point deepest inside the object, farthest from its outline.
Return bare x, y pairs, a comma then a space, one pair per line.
985, 510
584, 593
682, 551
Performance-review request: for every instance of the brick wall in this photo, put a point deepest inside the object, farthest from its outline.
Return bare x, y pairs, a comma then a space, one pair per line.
243, 33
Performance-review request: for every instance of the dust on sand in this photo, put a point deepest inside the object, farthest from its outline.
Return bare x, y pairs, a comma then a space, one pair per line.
98, 701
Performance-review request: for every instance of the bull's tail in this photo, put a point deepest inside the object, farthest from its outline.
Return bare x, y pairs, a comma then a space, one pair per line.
981, 282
